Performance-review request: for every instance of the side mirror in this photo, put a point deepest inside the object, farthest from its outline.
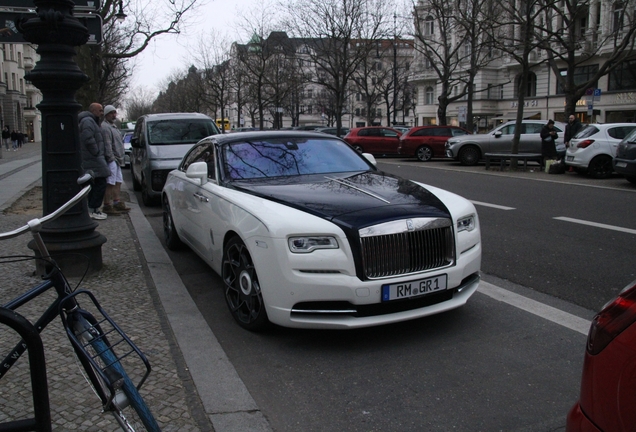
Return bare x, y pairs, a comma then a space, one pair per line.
370, 158
198, 170
134, 142
498, 134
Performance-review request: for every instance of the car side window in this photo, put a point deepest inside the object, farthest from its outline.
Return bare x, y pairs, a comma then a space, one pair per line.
389, 133
363, 132
199, 153
423, 132
444, 132
458, 132
508, 130
533, 128
619, 132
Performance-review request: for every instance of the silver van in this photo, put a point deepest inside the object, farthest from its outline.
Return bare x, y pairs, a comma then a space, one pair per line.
159, 142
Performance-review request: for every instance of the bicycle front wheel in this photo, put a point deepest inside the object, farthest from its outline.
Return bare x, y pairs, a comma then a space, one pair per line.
108, 377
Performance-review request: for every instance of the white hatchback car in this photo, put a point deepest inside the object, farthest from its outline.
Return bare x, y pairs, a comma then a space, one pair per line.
591, 151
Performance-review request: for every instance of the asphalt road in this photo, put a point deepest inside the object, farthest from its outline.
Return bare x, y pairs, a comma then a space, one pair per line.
487, 366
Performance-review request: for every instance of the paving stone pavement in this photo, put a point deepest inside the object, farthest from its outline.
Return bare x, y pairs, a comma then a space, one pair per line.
125, 290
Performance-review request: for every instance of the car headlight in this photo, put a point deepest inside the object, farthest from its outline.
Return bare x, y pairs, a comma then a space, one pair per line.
307, 244
466, 223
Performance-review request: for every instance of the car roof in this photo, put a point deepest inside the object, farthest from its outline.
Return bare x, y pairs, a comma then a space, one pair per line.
169, 116
271, 134
609, 125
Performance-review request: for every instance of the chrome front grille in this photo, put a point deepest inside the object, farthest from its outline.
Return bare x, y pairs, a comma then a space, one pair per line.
407, 246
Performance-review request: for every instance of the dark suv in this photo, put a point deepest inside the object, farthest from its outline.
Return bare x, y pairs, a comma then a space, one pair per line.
426, 142
625, 160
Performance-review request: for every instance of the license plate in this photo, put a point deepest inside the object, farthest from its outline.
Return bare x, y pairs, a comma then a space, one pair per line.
569, 158
621, 164
414, 288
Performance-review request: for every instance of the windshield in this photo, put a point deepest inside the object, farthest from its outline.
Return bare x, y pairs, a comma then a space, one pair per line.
180, 131
283, 157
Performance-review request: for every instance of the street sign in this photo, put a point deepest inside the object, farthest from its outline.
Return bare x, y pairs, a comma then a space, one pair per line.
597, 95
9, 32
79, 4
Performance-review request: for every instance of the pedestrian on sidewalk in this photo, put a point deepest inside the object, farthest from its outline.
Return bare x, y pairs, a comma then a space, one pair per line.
114, 141
94, 157
14, 139
6, 137
548, 142
20, 139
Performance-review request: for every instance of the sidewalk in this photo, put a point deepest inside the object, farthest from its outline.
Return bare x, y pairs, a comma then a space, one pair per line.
192, 387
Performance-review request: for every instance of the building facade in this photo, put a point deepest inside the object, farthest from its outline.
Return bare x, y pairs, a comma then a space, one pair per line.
611, 99
18, 97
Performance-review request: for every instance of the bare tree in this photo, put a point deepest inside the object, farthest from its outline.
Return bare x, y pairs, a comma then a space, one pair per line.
340, 35
138, 103
574, 32
106, 63
440, 43
518, 35
213, 57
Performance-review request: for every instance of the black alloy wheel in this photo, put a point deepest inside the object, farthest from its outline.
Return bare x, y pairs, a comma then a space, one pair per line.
469, 155
242, 288
600, 167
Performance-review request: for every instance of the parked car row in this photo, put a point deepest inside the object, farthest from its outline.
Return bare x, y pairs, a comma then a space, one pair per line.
593, 149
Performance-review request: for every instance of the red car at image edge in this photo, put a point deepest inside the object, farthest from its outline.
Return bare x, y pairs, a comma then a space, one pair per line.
608, 387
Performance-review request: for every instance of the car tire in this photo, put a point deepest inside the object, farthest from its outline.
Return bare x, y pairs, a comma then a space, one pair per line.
424, 153
242, 288
469, 155
169, 231
145, 196
135, 182
600, 167
631, 179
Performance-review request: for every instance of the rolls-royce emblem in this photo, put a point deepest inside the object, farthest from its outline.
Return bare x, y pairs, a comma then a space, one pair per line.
409, 224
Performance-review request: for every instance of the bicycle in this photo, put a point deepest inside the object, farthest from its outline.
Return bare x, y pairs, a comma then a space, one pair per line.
95, 337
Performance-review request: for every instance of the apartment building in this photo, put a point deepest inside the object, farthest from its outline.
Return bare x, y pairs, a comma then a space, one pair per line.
18, 97
612, 99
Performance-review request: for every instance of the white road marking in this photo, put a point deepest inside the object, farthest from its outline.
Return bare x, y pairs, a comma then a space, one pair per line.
550, 313
492, 205
595, 224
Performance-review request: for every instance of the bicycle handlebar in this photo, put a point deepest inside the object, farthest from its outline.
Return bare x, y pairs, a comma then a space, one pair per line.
35, 225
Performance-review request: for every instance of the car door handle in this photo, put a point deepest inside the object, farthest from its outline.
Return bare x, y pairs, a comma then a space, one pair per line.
201, 197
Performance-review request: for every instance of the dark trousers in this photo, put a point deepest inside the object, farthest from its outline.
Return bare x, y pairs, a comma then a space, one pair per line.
96, 194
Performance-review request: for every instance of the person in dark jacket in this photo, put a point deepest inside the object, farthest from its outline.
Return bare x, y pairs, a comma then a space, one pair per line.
548, 142
573, 127
94, 157
14, 139
6, 137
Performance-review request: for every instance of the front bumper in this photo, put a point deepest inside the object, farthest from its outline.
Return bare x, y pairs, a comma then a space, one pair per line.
292, 293
625, 166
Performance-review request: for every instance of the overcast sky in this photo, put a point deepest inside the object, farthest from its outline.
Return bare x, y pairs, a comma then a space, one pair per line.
169, 53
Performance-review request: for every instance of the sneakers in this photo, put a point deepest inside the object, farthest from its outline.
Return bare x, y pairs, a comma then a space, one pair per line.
120, 206
98, 215
109, 209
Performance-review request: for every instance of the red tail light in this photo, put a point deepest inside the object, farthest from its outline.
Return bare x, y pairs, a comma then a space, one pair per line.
615, 317
585, 144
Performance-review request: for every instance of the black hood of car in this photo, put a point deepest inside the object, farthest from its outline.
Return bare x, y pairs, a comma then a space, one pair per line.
351, 201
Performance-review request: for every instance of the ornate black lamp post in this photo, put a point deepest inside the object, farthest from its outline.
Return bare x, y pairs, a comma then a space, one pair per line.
56, 32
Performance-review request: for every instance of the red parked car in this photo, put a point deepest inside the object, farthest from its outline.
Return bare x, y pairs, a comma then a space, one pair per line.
377, 140
608, 387
426, 142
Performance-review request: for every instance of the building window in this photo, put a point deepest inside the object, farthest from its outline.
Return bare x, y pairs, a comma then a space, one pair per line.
310, 93
618, 12
21, 86
357, 112
378, 112
429, 96
358, 97
19, 59
301, 109
14, 84
582, 75
623, 77
429, 26
531, 85
309, 109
